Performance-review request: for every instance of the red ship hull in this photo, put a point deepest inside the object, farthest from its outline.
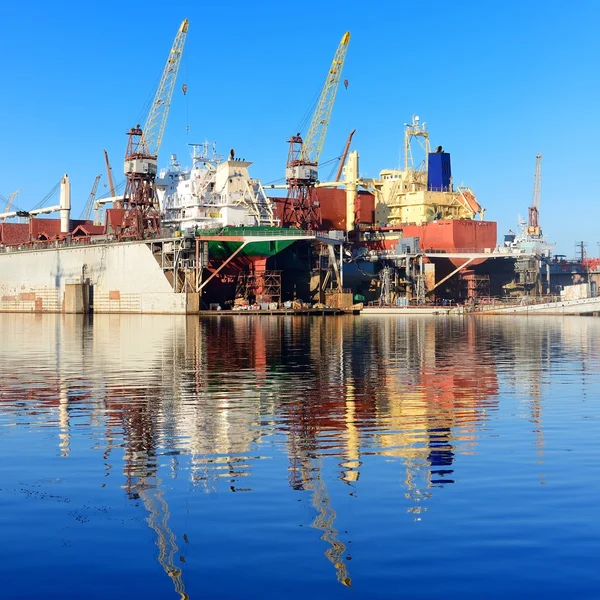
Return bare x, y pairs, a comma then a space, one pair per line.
444, 236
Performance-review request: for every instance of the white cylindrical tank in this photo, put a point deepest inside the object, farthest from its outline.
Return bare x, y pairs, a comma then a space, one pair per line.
65, 204
351, 175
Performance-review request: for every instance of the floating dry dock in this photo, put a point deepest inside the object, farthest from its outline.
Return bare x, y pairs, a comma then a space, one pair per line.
102, 275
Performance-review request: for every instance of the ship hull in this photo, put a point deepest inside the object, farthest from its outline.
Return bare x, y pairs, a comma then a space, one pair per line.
454, 235
450, 236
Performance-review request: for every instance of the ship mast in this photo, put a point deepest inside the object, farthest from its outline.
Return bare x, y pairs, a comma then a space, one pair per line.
415, 130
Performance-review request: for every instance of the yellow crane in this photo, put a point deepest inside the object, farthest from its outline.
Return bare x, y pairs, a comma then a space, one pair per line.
141, 158
156, 122
315, 138
301, 208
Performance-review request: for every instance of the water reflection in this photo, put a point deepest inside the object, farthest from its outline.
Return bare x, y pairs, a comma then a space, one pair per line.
206, 400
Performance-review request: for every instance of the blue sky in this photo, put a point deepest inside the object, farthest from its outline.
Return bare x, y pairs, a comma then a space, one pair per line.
496, 82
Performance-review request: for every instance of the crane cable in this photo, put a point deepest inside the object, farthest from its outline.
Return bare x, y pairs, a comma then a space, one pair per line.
48, 196
184, 87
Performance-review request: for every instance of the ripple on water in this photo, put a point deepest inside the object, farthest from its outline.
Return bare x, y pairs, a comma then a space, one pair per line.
227, 457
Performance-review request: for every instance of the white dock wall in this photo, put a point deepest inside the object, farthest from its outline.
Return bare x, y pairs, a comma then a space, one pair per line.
125, 277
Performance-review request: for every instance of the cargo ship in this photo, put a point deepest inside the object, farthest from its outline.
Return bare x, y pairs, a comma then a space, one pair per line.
415, 210
419, 202
213, 193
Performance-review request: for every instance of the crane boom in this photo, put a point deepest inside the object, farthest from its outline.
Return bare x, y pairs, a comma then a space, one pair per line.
534, 209
157, 119
111, 185
87, 211
142, 216
9, 202
11, 198
301, 206
315, 138
344, 155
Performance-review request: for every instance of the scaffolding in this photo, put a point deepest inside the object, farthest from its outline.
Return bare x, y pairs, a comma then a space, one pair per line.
259, 286
478, 286
385, 290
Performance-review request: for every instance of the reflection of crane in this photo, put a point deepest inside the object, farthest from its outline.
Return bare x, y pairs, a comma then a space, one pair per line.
143, 482
87, 210
141, 159
324, 521
156, 505
300, 207
305, 474
533, 227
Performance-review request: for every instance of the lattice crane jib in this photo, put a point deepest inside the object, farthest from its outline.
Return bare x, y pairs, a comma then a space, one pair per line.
301, 207
315, 138
534, 209
154, 128
87, 210
111, 185
142, 216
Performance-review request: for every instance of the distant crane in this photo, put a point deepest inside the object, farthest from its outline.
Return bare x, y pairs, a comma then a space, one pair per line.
344, 155
9, 202
533, 227
141, 158
87, 210
301, 208
111, 185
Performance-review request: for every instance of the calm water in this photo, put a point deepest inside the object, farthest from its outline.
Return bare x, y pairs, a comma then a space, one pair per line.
359, 457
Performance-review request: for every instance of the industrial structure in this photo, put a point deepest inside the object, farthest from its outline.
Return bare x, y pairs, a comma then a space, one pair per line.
142, 216
209, 235
301, 207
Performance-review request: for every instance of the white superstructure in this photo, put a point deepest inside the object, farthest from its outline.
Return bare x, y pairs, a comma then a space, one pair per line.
213, 193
